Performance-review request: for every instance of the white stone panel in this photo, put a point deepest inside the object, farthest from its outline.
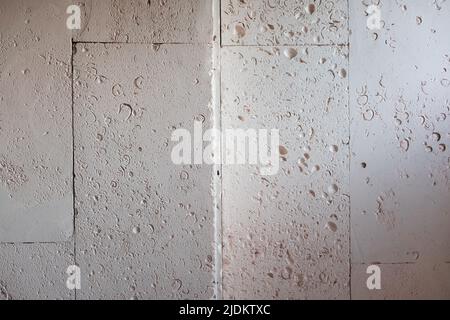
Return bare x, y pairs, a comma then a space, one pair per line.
280, 22
144, 21
286, 236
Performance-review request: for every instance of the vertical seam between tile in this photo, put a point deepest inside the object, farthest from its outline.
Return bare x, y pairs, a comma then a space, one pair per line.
73, 46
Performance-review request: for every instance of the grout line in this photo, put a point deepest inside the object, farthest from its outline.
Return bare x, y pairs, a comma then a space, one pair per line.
73, 47
331, 45
349, 159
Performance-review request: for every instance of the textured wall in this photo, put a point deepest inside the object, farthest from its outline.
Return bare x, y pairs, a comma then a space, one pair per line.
400, 103
86, 177
138, 214
36, 198
36, 149
289, 237
143, 227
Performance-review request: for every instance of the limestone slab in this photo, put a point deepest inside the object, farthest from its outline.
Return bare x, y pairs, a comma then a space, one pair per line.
400, 130
144, 226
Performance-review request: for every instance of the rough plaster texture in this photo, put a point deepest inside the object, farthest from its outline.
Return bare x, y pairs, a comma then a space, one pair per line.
144, 226
276, 22
35, 121
404, 281
146, 21
400, 129
288, 236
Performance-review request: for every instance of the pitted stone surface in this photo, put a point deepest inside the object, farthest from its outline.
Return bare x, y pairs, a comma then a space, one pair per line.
400, 129
35, 271
144, 21
287, 236
144, 227
366, 132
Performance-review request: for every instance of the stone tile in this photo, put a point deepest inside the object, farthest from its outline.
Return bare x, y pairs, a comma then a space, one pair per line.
268, 22
404, 281
35, 271
143, 21
36, 201
400, 104
286, 235
144, 226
